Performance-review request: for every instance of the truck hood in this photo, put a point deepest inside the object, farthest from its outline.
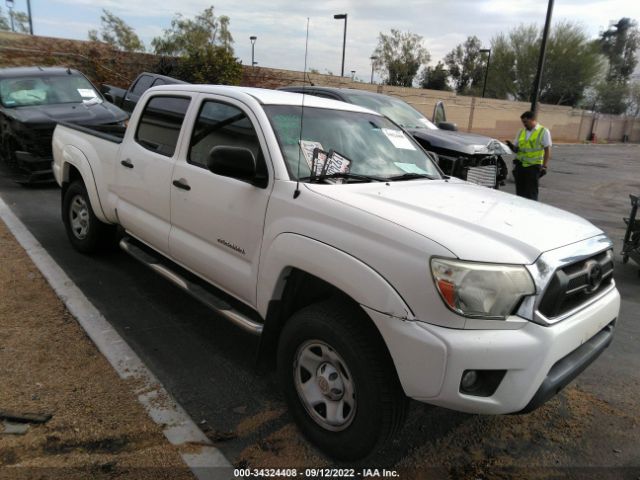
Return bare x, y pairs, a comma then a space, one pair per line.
86, 114
467, 143
473, 222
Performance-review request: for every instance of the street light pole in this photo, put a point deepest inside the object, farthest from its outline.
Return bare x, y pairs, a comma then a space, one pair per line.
30, 20
343, 16
253, 39
486, 71
543, 48
373, 61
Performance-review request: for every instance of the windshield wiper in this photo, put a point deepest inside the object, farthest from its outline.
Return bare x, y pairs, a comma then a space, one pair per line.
410, 176
346, 175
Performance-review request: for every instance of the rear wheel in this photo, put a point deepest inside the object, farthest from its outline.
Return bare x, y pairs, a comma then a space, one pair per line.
85, 231
339, 380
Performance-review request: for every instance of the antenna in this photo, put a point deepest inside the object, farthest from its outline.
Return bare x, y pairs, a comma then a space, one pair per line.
296, 193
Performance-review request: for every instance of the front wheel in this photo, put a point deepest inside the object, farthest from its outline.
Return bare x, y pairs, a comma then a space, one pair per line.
339, 381
85, 231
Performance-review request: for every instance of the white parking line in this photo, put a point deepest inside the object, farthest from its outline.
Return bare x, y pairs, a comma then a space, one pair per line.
207, 462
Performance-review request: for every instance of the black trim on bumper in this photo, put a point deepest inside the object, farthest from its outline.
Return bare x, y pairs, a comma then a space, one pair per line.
569, 367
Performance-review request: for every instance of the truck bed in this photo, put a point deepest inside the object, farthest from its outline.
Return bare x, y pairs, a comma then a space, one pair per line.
111, 133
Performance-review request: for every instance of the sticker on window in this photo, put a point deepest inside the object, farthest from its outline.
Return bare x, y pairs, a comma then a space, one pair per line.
308, 147
409, 167
398, 139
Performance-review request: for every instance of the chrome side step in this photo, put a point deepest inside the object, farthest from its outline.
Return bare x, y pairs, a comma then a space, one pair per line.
198, 292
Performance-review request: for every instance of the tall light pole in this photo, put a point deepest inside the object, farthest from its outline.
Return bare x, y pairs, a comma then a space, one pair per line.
9, 4
486, 71
253, 39
543, 49
373, 59
30, 20
343, 16
353, 75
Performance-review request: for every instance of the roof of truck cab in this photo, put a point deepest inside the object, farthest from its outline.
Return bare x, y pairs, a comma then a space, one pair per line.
13, 72
266, 96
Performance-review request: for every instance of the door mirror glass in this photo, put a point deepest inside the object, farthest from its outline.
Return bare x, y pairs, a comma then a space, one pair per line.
448, 126
439, 113
234, 162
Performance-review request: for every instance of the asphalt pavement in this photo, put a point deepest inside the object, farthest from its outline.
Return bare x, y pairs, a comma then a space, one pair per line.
208, 365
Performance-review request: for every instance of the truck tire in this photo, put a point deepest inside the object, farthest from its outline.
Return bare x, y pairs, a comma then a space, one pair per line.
339, 380
86, 232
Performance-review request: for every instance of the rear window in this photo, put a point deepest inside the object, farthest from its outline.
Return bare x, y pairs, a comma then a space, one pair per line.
142, 85
160, 124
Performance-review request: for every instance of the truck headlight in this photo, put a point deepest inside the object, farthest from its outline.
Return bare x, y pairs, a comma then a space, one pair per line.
481, 290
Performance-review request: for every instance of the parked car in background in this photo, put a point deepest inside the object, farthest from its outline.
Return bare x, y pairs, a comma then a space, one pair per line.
32, 101
127, 99
327, 231
464, 155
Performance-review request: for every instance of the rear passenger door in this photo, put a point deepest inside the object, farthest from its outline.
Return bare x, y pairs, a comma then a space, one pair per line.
143, 171
218, 221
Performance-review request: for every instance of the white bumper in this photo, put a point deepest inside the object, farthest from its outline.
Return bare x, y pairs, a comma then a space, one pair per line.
430, 360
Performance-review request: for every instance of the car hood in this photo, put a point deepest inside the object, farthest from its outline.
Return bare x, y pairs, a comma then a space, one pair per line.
467, 143
86, 114
473, 222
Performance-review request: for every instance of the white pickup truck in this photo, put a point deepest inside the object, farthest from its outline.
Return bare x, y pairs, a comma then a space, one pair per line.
370, 276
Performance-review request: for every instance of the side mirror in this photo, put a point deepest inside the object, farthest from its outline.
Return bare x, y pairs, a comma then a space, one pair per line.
234, 162
448, 126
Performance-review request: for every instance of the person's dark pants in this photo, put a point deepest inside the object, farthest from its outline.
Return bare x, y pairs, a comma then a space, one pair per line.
527, 179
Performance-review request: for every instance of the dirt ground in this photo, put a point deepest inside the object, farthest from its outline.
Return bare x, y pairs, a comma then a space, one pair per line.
48, 365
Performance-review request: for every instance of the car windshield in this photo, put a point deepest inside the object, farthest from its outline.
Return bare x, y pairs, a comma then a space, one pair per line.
400, 112
47, 90
364, 144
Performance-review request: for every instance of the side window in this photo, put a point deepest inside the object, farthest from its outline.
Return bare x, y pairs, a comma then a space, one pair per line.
160, 123
142, 85
221, 124
158, 82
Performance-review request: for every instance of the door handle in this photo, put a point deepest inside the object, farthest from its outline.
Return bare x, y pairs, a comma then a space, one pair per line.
180, 184
126, 163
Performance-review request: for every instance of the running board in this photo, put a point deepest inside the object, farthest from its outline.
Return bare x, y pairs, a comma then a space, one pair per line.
215, 303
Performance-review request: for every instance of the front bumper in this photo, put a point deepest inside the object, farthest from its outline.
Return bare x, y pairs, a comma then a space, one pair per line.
430, 359
32, 168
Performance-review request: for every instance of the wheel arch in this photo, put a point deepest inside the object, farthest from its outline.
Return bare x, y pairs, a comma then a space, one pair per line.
75, 166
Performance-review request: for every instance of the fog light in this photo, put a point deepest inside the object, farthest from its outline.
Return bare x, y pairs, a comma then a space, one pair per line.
469, 378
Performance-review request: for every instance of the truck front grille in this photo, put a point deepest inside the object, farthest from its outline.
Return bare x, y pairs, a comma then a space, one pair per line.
485, 175
575, 284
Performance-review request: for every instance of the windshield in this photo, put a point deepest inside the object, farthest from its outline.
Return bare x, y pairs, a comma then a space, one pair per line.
400, 112
47, 90
371, 144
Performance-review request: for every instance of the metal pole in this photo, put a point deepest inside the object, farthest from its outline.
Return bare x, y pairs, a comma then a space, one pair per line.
30, 19
253, 39
343, 16
486, 73
543, 49
373, 59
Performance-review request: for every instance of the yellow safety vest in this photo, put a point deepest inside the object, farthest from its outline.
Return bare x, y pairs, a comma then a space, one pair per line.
531, 152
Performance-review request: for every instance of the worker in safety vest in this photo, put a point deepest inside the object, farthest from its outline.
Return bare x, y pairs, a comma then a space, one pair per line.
533, 148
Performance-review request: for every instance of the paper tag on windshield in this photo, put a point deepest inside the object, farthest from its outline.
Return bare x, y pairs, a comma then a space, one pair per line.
336, 163
398, 138
307, 148
86, 93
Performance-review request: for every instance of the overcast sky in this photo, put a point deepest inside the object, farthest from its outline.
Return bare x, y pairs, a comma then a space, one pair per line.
280, 24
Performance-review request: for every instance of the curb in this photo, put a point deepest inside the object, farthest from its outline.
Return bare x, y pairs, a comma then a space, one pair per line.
207, 463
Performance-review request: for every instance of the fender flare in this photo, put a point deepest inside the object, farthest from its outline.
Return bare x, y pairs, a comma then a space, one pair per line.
350, 275
73, 156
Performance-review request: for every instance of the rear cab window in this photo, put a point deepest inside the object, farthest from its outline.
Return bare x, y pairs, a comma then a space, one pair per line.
160, 123
142, 85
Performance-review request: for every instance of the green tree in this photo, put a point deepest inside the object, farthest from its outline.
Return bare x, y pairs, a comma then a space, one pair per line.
400, 56
188, 35
612, 97
115, 32
571, 64
634, 98
466, 66
210, 64
20, 21
619, 44
435, 78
